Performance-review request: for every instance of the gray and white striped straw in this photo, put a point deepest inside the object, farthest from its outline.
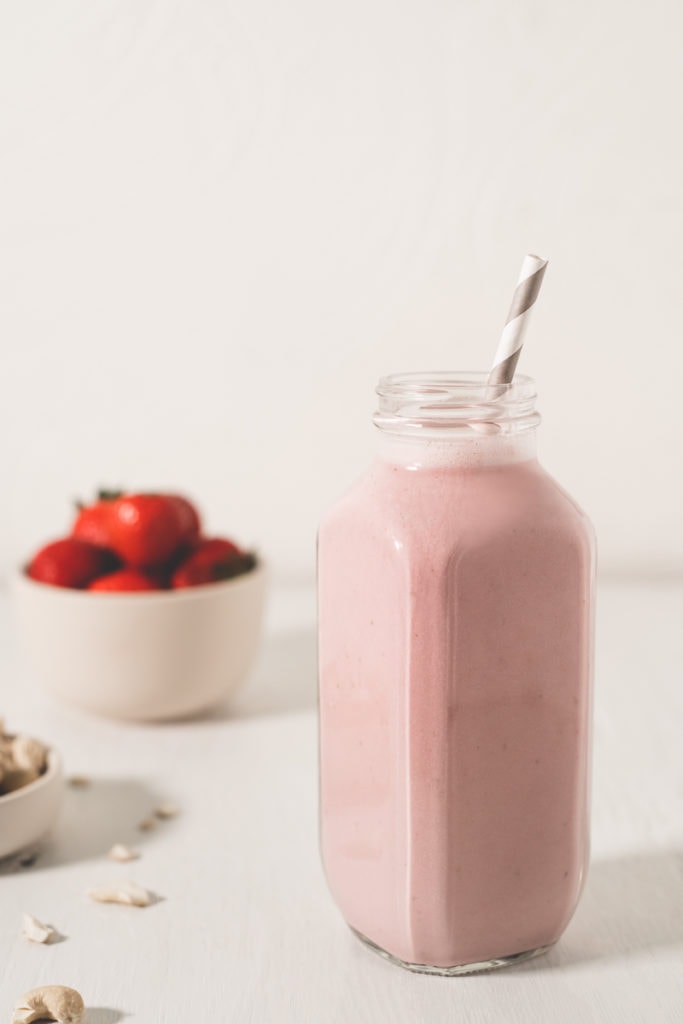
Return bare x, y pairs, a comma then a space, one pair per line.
511, 340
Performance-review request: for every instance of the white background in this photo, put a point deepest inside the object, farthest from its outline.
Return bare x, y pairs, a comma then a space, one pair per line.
221, 221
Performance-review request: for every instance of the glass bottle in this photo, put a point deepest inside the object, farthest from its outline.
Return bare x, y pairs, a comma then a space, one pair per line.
456, 584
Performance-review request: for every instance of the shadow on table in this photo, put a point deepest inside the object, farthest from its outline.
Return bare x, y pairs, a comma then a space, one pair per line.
630, 905
284, 678
107, 811
103, 1015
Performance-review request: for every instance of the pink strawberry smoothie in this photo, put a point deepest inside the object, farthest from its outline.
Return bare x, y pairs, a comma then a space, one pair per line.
455, 650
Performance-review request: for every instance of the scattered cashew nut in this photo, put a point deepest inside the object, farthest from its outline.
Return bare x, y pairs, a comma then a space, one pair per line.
79, 781
123, 853
50, 1003
166, 811
128, 893
36, 931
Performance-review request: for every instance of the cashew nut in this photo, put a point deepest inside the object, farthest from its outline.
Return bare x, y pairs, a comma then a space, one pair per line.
79, 781
123, 892
166, 811
22, 760
29, 754
6, 761
6, 756
50, 1003
36, 931
123, 853
15, 778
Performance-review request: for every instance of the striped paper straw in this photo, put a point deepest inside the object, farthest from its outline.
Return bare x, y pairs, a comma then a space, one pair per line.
512, 338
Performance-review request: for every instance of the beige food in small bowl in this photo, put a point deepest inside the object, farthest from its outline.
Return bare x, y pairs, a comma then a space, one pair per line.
142, 656
31, 791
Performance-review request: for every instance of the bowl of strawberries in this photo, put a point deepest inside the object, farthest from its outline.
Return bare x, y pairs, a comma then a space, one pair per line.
137, 614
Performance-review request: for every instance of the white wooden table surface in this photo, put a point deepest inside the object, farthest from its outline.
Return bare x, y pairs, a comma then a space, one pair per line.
245, 930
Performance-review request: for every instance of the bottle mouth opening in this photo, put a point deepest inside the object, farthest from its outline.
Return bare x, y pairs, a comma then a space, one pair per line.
455, 401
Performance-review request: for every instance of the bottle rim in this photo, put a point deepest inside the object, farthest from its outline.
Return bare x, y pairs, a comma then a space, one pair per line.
455, 401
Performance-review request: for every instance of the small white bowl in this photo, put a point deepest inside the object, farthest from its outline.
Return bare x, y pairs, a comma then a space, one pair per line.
28, 813
142, 656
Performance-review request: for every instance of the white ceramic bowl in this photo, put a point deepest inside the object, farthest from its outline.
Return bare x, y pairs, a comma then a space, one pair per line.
142, 656
27, 814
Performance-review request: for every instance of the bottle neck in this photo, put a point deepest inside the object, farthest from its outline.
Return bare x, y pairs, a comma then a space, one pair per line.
455, 419
460, 453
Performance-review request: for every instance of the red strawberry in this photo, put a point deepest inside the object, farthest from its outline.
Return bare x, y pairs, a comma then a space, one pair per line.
211, 560
189, 517
70, 562
92, 524
146, 530
123, 580
92, 521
